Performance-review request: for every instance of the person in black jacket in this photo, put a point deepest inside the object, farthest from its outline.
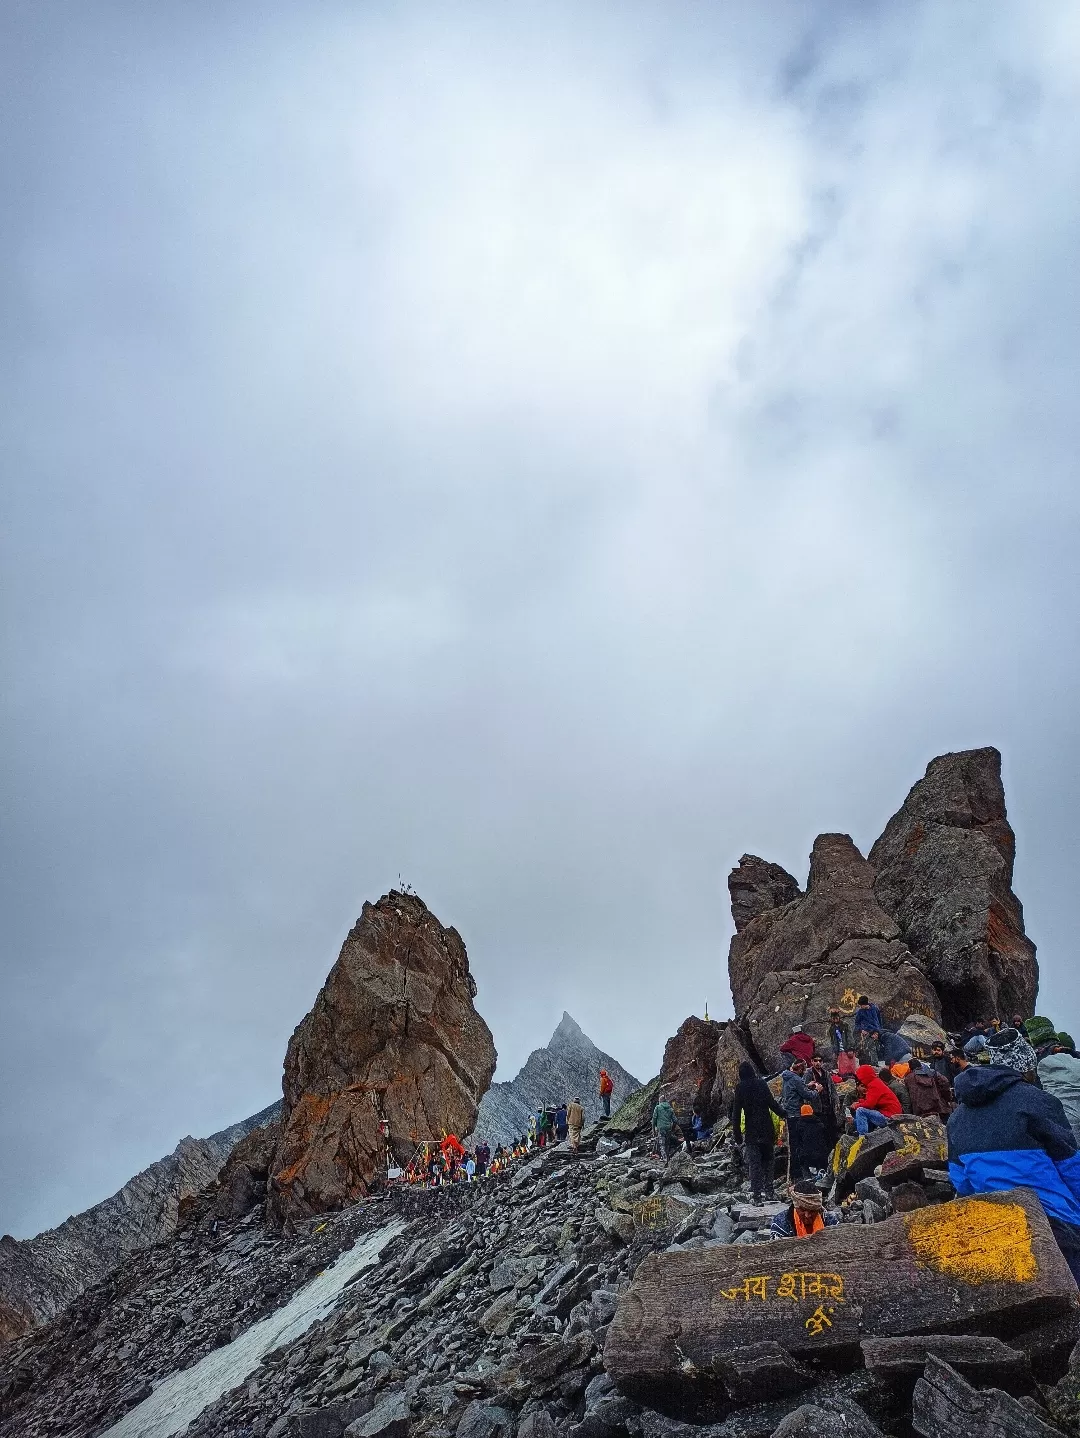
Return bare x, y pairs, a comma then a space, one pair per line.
752, 1110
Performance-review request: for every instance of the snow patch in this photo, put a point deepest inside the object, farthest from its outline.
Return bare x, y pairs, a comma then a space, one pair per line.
179, 1399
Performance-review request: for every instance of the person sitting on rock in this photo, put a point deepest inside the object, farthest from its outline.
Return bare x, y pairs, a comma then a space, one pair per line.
805, 1215
866, 1025
1059, 1074
929, 1095
701, 1130
1007, 1133
575, 1122
839, 1033
664, 1124
799, 1046
606, 1089
878, 1103
752, 1111
847, 1063
892, 1048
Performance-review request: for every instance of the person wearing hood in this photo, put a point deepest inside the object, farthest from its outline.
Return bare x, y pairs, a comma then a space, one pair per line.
1007, 1133
752, 1111
892, 1049
805, 1215
878, 1104
929, 1095
799, 1046
1059, 1074
606, 1089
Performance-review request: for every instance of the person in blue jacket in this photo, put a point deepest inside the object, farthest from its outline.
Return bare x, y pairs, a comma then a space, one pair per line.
1007, 1133
867, 1024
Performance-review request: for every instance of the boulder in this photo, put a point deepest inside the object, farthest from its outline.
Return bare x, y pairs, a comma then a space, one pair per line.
921, 1143
944, 869
790, 965
981, 1359
953, 1267
760, 1368
688, 1073
947, 1406
810, 1421
392, 1036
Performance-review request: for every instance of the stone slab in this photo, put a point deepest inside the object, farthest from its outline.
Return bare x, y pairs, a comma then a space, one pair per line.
951, 1268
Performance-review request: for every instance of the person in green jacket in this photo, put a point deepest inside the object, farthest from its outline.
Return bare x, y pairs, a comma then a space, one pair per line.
663, 1122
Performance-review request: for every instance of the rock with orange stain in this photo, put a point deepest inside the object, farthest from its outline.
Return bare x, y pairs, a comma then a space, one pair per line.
944, 873
953, 1268
393, 1038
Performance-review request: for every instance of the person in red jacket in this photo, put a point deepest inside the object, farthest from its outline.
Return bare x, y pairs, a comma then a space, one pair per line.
878, 1104
798, 1046
606, 1087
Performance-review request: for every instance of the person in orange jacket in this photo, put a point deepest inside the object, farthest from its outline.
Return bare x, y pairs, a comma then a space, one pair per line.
606, 1087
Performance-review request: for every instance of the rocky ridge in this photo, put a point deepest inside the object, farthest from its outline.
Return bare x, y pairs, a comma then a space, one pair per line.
489, 1314
40, 1276
568, 1067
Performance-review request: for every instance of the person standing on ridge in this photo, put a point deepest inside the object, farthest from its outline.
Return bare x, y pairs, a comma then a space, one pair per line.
575, 1122
867, 1025
663, 1122
606, 1088
839, 1033
752, 1111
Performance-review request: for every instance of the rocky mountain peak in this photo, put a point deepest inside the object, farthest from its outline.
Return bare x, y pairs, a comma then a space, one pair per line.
568, 1037
567, 1067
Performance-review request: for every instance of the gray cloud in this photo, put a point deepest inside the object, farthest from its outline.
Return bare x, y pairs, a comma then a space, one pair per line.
537, 454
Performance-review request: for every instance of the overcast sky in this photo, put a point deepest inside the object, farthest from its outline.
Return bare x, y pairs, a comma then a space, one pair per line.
539, 451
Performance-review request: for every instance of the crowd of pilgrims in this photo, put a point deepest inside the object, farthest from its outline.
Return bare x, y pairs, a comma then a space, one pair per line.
1009, 1094
449, 1161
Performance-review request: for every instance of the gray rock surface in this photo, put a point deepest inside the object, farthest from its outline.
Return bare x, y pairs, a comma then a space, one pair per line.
567, 1067
40, 1276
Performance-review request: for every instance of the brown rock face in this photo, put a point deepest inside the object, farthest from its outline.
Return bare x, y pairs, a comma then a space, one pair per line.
393, 1035
790, 964
688, 1073
944, 871
755, 886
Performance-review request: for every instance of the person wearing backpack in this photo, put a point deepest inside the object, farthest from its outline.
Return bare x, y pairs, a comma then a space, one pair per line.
606, 1088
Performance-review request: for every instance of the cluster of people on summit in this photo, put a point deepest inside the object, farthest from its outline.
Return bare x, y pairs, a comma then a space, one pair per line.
1009, 1095
449, 1161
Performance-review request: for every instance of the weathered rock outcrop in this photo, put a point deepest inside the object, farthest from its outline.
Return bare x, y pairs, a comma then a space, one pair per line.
688, 1073
40, 1276
789, 964
756, 886
393, 1036
928, 924
569, 1067
944, 869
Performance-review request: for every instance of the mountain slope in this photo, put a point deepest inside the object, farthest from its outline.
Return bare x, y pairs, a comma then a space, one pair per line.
568, 1067
40, 1276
